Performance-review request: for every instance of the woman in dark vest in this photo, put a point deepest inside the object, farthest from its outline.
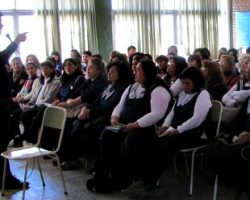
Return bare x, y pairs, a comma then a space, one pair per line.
142, 105
181, 129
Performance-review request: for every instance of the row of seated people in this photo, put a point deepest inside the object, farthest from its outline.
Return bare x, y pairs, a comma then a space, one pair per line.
136, 153
141, 105
215, 83
169, 68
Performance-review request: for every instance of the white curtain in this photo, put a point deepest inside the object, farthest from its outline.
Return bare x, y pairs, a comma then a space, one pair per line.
68, 24
138, 22
198, 24
146, 24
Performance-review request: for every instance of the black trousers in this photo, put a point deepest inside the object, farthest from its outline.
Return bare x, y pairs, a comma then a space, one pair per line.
159, 154
228, 163
120, 152
31, 120
15, 121
4, 132
82, 138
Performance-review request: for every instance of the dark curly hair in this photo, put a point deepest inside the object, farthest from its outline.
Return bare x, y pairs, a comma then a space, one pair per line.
48, 63
195, 76
150, 73
124, 71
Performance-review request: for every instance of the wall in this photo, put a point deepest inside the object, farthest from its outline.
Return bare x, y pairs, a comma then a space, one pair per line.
238, 5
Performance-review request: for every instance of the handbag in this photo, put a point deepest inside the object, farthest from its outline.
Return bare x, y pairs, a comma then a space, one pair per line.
229, 114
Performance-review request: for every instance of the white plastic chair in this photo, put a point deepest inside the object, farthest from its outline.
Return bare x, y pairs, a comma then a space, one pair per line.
53, 117
214, 116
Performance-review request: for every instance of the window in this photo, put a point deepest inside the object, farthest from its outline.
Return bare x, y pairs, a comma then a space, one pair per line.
177, 22
127, 23
19, 16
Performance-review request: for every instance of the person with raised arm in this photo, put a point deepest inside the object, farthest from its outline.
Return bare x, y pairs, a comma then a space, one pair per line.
11, 181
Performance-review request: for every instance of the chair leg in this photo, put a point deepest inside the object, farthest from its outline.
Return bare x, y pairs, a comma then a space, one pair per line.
4, 176
61, 174
158, 182
86, 164
175, 165
186, 164
201, 166
215, 187
40, 171
25, 179
192, 174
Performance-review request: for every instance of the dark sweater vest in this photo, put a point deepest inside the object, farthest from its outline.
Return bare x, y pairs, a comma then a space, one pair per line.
136, 108
184, 112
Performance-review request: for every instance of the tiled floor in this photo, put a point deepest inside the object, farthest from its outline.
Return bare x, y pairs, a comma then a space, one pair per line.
171, 187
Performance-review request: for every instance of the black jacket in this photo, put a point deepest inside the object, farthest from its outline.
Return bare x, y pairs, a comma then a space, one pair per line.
4, 77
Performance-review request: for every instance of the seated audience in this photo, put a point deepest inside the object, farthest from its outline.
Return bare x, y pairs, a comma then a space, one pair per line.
229, 71
234, 54
118, 57
17, 76
58, 62
194, 61
173, 50
203, 53
142, 105
240, 91
33, 58
90, 91
244, 61
49, 87
97, 80
97, 55
248, 50
170, 55
131, 50
229, 154
86, 55
223, 50
74, 53
72, 81
181, 64
182, 128
162, 64
148, 56
215, 82
25, 93
94, 116
175, 67
135, 58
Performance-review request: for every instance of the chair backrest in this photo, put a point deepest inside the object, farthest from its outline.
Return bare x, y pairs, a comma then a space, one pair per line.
54, 118
214, 119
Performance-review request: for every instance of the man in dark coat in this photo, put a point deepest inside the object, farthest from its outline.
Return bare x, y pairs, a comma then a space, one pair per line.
11, 181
